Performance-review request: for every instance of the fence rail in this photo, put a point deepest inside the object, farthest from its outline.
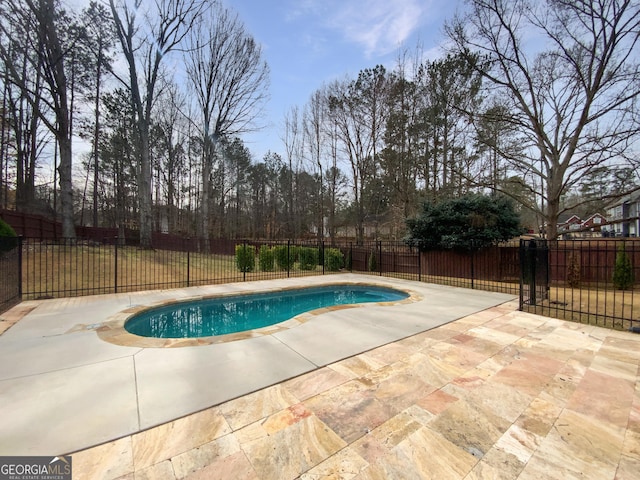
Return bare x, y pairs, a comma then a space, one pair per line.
578, 276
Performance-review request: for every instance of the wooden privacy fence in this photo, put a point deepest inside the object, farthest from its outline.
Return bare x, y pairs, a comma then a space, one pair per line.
594, 259
496, 263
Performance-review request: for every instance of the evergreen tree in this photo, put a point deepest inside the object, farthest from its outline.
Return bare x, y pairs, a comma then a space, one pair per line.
466, 223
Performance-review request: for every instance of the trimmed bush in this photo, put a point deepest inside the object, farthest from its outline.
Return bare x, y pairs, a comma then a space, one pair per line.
308, 258
333, 259
8, 237
622, 270
245, 258
266, 258
573, 271
373, 262
284, 258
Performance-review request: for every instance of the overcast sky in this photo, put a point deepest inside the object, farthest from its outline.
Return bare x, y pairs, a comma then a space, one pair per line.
310, 42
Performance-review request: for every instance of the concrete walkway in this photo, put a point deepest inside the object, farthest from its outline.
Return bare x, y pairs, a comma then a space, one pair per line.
64, 388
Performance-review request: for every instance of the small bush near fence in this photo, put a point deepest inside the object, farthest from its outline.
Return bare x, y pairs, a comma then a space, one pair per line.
245, 258
333, 259
623, 270
285, 256
573, 271
266, 258
373, 262
308, 258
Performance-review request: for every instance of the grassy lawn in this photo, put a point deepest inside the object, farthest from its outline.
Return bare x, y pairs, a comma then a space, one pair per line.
57, 271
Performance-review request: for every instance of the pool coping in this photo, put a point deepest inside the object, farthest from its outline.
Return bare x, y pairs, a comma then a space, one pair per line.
113, 329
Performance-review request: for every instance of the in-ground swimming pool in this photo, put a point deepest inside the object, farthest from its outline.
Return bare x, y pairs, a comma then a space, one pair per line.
223, 315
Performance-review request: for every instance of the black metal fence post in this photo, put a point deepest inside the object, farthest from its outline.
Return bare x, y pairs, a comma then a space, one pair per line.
188, 262
322, 255
472, 271
244, 268
380, 257
419, 265
115, 269
288, 258
20, 267
522, 267
532, 257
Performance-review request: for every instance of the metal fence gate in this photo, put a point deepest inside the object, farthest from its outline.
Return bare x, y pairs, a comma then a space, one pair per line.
10, 272
534, 271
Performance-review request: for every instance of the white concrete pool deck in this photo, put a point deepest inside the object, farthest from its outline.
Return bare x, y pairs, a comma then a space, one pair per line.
63, 388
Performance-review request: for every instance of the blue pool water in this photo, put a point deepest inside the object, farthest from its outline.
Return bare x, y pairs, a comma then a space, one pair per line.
219, 316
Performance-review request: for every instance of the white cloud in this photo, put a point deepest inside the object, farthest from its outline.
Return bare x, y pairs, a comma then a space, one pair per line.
379, 26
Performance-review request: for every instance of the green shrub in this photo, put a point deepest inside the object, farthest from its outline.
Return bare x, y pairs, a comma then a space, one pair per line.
622, 270
6, 230
8, 237
245, 258
266, 258
284, 256
573, 271
294, 253
308, 258
373, 262
333, 259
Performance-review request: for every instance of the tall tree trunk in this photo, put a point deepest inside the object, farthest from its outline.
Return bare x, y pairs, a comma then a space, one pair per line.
96, 135
144, 185
66, 187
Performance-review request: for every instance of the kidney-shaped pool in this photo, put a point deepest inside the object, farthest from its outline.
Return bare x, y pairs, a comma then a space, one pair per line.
232, 314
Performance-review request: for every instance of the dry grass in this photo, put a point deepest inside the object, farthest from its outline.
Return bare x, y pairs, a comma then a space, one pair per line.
605, 306
58, 271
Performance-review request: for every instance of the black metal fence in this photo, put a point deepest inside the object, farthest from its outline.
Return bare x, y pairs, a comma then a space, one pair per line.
566, 279
494, 268
67, 268
589, 281
10, 265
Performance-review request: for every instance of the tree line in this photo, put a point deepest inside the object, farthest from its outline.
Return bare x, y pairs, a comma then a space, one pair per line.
537, 102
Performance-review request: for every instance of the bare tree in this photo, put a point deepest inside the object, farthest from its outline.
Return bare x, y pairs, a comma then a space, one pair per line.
51, 103
358, 109
230, 80
314, 126
100, 40
169, 147
572, 98
293, 140
148, 32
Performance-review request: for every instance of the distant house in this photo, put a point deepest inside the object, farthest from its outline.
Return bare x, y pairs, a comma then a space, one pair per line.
574, 226
623, 217
594, 222
572, 223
